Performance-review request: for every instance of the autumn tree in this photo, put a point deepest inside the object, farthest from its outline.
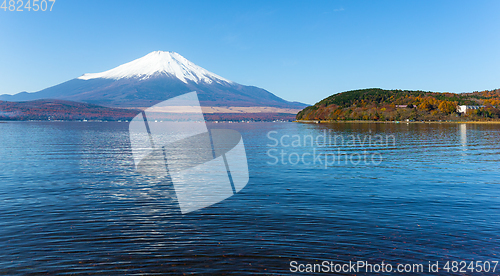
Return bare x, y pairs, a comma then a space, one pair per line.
447, 107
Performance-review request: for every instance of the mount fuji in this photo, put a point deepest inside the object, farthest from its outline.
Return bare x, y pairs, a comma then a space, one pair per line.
156, 77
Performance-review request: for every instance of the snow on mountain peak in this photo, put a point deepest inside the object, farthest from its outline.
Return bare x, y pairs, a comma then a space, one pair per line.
159, 62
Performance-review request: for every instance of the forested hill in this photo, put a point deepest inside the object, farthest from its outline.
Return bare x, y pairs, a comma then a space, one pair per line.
395, 105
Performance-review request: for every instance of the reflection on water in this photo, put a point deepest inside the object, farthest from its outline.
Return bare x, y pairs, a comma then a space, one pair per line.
73, 203
463, 137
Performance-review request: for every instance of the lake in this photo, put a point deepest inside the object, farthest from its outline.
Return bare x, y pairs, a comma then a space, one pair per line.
72, 202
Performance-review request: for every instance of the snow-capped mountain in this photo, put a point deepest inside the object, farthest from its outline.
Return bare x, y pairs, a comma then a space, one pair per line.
158, 63
156, 77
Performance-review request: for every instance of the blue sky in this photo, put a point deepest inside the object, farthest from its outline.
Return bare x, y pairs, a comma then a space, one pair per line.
297, 50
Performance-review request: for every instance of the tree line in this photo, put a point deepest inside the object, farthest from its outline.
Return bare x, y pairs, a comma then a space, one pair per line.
395, 105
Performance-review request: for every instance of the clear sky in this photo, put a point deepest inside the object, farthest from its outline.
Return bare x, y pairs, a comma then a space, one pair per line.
299, 50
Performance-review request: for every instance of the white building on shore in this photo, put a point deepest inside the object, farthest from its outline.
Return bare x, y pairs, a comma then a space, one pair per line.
464, 108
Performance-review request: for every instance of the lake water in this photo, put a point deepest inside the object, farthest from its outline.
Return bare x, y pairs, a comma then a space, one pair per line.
72, 202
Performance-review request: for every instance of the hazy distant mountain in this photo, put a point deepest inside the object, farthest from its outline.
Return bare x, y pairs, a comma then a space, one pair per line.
153, 78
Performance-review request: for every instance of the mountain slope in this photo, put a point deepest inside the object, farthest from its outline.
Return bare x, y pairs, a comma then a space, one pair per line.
153, 78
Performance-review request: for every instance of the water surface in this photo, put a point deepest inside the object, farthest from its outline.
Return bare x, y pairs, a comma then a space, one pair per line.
73, 203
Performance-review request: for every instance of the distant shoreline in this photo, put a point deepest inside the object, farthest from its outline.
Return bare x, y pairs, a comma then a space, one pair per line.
127, 121
395, 122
